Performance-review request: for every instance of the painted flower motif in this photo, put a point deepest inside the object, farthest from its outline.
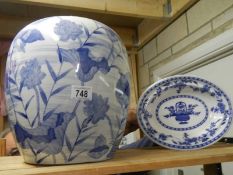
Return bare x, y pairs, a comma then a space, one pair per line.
27, 37
89, 67
68, 30
31, 74
163, 137
151, 131
31, 36
100, 148
188, 140
221, 107
48, 137
212, 131
85, 66
96, 108
122, 90
205, 88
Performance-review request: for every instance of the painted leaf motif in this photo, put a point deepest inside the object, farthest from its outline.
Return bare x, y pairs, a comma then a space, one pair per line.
70, 56
78, 125
86, 31
31, 147
40, 160
100, 148
98, 32
40, 150
43, 95
51, 71
99, 45
48, 114
11, 80
119, 135
86, 122
98, 152
93, 54
100, 140
59, 89
28, 102
118, 122
89, 128
17, 97
59, 54
90, 44
21, 86
34, 120
63, 74
31, 36
73, 157
69, 146
22, 114
123, 122
83, 139
122, 91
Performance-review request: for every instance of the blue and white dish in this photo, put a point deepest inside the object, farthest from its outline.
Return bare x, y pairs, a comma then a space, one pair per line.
67, 90
184, 113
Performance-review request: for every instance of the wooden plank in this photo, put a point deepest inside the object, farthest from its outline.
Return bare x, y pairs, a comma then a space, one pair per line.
126, 34
1, 123
11, 25
130, 160
180, 5
134, 8
149, 28
2, 147
85, 5
133, 69
121, 6
150, 7
133, 99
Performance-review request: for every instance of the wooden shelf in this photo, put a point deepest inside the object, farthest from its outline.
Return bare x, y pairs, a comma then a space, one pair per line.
130, 160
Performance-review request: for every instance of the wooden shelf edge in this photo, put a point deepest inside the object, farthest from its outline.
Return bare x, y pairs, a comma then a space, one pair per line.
131, 160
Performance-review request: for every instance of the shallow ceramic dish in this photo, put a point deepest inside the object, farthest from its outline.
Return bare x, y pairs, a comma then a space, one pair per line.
184, 113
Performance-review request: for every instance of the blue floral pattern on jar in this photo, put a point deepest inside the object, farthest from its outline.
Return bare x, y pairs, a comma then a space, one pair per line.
31, 75
50, 125
67, 29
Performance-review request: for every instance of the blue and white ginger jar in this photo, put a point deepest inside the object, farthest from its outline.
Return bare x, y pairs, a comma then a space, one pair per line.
67, 90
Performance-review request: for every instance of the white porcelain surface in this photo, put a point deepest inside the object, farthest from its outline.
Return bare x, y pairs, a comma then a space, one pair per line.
67, 90
184, 112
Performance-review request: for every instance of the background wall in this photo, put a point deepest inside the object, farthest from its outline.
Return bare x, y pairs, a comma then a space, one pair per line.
204, 21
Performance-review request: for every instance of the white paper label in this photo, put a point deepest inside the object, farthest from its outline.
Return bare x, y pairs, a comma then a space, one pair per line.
81, 92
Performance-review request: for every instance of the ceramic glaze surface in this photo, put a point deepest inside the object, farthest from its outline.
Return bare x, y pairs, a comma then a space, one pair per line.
67, 89
184, 113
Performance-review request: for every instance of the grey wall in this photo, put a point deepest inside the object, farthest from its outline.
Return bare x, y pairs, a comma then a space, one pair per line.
205, 20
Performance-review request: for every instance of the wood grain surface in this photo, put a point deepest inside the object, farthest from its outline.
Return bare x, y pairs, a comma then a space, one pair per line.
130, 160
